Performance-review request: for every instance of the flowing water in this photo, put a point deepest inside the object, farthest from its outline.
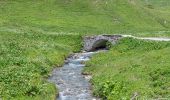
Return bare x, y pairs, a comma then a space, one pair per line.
71, 83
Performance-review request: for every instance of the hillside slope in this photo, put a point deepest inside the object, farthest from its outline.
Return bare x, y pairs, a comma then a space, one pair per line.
93, 17
35, 35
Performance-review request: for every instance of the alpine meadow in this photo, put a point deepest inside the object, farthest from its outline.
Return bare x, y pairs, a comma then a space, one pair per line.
37, 36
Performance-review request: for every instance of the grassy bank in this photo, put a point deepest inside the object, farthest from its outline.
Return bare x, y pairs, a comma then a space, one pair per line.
26, 60
36, 35
132, 69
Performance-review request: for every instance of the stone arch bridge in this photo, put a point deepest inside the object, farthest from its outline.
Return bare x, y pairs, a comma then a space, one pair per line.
92, 43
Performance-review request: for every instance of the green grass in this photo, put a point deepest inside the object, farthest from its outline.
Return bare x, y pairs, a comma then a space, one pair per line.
85, 17
26, 60
37, 35
132, 67
159, 10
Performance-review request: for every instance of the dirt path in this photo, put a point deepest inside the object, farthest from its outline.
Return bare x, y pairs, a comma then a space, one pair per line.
149, 38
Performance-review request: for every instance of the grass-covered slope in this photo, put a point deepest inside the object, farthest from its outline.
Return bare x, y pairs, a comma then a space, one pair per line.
86, 17
158, 9
36, 35
26, 60
132, 69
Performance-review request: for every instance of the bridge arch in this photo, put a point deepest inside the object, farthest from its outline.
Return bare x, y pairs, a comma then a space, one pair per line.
100, 44
92, 43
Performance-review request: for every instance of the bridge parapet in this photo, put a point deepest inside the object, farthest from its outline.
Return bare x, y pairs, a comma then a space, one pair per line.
92, 42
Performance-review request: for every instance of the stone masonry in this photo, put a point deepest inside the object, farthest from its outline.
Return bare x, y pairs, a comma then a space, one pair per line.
91, 41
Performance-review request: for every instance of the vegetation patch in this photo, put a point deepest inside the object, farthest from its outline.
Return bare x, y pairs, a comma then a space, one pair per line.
86, 17
36, 35
27, 59
132, 69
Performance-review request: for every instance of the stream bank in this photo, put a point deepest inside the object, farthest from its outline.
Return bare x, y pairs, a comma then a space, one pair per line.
71, 83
